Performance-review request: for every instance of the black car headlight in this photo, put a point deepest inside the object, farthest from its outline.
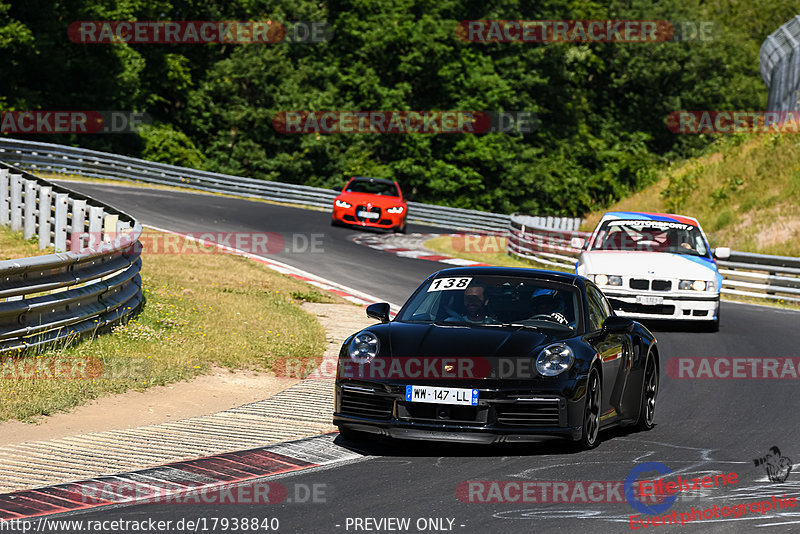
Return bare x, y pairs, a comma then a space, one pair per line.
554, 360
364, 347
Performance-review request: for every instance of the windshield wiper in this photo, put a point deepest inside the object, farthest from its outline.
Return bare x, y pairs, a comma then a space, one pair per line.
520, 325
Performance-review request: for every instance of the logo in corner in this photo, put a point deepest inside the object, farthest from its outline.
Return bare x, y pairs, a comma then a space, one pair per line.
777, 467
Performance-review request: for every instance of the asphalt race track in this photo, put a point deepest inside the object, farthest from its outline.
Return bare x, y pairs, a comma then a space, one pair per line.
703, 426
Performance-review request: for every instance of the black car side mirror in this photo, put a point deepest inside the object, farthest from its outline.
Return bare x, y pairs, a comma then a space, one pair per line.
379, 310
615, 324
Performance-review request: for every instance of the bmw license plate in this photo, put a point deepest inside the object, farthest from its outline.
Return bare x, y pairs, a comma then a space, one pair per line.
649, 301
367, 215
437, 395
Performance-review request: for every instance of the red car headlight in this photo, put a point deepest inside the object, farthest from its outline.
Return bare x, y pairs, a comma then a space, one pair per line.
396, 209
342, 204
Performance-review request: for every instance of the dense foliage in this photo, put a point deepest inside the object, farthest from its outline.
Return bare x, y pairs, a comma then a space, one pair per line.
602, 105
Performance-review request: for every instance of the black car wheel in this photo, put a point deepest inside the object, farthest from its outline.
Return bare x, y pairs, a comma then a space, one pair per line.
647, 411
400, 229
591, 414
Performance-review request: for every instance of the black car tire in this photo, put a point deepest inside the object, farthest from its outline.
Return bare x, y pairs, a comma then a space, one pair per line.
590, 429
400, 229
647, 409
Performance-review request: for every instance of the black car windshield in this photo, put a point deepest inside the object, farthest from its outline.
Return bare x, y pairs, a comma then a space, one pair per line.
650, 236
372, 187
494, 301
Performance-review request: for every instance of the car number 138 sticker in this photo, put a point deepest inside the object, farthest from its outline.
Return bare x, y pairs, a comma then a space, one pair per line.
443, 284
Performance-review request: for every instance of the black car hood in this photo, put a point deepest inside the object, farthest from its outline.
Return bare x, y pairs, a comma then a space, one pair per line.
405, 340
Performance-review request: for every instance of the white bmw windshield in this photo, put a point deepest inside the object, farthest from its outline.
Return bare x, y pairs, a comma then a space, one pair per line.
650, 236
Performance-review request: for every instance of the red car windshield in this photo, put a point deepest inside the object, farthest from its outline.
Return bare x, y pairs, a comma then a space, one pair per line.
374, 188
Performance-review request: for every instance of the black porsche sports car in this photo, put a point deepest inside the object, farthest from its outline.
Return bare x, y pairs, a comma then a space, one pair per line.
494, 354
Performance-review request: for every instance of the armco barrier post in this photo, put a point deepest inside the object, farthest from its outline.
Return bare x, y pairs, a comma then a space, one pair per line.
45, 210
95, 226
29, 220
62, 200
78, 216
16, 202
110, 228
5, 213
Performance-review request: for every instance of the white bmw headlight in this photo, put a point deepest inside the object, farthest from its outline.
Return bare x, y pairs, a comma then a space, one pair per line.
342, 204
364, 347
396, 209
554, 360
605, 280
697, 285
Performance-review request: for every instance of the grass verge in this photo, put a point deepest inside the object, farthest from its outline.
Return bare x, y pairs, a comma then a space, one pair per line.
13, 245
202, 310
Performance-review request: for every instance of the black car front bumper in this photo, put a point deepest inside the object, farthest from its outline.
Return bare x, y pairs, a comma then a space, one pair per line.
502, 415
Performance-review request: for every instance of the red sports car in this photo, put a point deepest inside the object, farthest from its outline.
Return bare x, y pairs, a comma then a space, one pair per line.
371, 202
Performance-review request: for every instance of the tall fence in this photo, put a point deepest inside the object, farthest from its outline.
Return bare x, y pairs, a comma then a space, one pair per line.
779, 63
47, 157
761, 276
89, 283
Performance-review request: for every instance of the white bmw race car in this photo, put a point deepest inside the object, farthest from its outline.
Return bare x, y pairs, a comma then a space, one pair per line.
654, 265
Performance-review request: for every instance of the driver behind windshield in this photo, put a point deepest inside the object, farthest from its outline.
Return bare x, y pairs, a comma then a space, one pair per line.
547, 307
475, 303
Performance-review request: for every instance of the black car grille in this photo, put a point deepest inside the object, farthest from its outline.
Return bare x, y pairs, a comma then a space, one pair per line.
662, 285
442, 413
363, 404
638, 283
528, 414
373, 209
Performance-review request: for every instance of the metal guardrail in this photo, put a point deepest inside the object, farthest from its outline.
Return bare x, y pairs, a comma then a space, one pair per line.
71, 293
532, 241
761, 276
744, 273
47, 157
